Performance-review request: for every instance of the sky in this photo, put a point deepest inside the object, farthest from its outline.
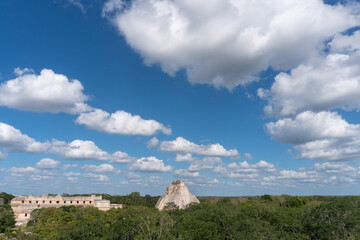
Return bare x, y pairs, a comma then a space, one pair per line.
234, 97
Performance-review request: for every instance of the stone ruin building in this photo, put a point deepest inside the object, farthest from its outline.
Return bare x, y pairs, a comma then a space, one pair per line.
2, 201
24, 205
178, 194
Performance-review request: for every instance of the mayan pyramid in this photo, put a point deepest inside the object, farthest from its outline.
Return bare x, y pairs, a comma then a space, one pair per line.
177, 193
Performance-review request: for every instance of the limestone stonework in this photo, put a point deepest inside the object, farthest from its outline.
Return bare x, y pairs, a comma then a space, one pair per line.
178, 194
24, 205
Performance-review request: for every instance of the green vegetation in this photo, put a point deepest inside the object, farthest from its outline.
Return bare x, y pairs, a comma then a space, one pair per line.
264, 217
6, 214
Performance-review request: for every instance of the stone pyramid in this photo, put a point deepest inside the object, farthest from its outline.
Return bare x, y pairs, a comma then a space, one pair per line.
177, 193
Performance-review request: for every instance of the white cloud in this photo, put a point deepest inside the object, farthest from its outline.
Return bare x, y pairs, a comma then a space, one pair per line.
23, 170
97, 178
103, 168
72, 174
2, 156
150, 164
183, 146
78, 4
152, 143
245, 171
112, 6
183, 173
120, 122
87, 150
224, 42
318, 136
131, 175
248, 156
47, 92
121, 157
183, 157
20, 71
73, 179
321, 84
13, 140
334, 168
79, 150
68, 166
47, 163
204, 164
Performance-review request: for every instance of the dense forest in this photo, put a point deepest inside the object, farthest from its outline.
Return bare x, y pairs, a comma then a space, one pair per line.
265, 217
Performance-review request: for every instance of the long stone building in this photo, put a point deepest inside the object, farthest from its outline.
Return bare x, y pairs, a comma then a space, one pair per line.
24, 205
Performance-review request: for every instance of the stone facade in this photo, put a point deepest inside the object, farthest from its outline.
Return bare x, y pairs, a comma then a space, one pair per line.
2, 201
24, 205
178, 194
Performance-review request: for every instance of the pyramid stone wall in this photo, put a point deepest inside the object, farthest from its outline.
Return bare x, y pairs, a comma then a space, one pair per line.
178, 194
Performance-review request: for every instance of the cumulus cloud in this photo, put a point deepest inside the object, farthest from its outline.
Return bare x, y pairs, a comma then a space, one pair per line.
321, 173
318, 136
180, 34
47, 92
2, 156
183, 173
23, 170
245, 171
103, 168
248, 156
78, 4
68, 166
132, 176
87, 150
47, 163
204, 164
72, 174
321, 84
121, 157
152, 143
11, 139
120, 122
97, 177
183, 146
79, 150
149, 164
183, 157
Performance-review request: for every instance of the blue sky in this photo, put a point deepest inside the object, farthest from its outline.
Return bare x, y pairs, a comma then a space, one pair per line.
122, 96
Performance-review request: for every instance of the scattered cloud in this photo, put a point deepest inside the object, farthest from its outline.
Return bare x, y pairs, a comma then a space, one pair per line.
183, 146
120, 122
318, 136
23, 170
248, 156
244, 170
78, 4
2, 155
121, 157
103, 168
204, 164
184, 157
179, 35
47, 92
152, 143
72, 174
79, 150
97, 178
322, 84
149, 164
68, 166
183, 173
131, 175
11, 139
47, 163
